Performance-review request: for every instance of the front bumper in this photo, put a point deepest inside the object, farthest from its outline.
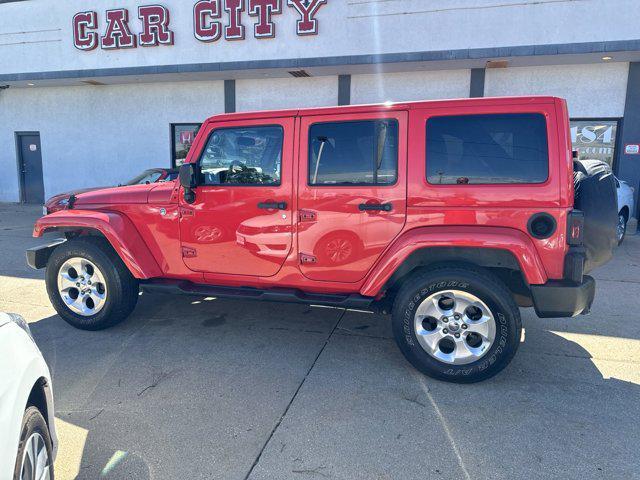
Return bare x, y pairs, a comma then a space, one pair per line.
37, 257
558, 299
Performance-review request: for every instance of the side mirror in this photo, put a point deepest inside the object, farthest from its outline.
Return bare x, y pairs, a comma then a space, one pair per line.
188, 176
189, 180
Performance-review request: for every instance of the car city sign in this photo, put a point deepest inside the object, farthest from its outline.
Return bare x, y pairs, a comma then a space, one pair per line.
212, 20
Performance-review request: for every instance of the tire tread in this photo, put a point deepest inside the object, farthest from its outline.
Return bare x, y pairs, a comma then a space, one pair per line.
123, 289
33, 420
424, 276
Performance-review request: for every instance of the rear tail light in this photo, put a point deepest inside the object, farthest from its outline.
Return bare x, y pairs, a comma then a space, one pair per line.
575, 228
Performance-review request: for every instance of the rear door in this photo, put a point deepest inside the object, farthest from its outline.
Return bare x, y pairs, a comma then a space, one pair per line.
352, 192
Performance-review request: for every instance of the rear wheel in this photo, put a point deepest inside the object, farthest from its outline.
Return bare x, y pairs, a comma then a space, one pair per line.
622, 226
456, 324
34, 460
88, 284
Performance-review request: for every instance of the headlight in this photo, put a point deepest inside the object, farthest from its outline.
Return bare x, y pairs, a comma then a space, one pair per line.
22, 323
56, 207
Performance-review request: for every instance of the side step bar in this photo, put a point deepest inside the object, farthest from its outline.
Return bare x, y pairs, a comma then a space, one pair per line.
354, 301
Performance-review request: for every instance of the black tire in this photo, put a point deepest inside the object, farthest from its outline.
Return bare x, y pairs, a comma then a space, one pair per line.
622, 215
477, 282
122, 287
33, 422
596, 197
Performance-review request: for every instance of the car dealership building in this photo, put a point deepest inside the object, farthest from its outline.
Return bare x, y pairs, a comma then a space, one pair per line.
94, 92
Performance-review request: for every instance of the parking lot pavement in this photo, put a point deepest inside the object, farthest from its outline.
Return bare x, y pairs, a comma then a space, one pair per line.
208, 388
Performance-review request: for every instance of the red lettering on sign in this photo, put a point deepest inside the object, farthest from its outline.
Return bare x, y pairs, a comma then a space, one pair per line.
155, 26
208, 25
264, 9
307, 25
82, 38
118, 34
235, 29
206, 29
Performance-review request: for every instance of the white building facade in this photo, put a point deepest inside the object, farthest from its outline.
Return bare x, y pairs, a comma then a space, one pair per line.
101, 90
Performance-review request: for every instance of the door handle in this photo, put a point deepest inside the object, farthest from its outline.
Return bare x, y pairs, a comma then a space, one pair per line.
375, 207
273, 205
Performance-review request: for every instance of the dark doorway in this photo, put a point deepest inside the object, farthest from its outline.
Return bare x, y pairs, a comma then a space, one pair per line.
30, 167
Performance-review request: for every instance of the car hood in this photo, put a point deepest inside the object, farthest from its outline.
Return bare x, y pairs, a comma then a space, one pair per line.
60, 196
115, 195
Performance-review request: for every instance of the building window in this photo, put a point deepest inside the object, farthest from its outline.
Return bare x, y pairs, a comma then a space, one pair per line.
487, 149
595, 139
354, 153
182, 137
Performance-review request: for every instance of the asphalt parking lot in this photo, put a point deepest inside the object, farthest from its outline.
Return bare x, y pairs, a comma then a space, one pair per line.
216, 389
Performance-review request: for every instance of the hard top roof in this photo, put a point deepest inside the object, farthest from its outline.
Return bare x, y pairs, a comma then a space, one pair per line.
380, 107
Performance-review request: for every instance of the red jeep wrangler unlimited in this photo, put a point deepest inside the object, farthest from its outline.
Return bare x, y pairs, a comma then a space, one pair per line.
448, 214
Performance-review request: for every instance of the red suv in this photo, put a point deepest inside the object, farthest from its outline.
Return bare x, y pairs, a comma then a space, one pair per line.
447, 214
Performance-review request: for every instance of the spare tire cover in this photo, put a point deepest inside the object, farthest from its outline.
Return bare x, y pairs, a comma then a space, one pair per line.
596, 196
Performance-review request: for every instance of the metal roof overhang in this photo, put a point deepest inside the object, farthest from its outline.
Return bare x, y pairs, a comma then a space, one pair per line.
516, 56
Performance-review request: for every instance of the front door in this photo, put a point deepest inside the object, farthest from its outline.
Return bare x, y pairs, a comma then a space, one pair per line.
352, 192
30, 165
241, 221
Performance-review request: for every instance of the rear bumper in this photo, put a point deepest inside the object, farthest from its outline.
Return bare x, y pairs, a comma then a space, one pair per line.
37, 257
557, 299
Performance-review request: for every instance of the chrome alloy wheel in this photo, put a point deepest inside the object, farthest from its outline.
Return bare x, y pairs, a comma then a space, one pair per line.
82, 286
622, 227
35, 459
454, 327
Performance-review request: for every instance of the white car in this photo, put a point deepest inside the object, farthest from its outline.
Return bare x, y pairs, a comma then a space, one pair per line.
28, 439
625, 207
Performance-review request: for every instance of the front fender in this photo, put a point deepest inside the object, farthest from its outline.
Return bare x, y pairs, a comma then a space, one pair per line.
116, 228
511, 240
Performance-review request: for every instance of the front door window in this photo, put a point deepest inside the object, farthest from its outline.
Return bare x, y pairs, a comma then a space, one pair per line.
243, 156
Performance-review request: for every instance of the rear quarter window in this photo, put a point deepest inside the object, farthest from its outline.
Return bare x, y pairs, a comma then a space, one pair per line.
487, 149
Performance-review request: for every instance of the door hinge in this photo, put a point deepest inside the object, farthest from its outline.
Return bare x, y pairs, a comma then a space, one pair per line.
304, 258
307, 216
186, 212
189, 252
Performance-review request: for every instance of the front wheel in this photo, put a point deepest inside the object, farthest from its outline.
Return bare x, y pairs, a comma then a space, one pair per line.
89, 285
34, 460
456, 324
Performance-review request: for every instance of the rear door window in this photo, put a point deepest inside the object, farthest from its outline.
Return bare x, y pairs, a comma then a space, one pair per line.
487, 149
353, 153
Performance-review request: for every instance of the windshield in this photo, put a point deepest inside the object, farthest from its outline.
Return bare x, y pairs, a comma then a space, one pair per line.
148, 176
